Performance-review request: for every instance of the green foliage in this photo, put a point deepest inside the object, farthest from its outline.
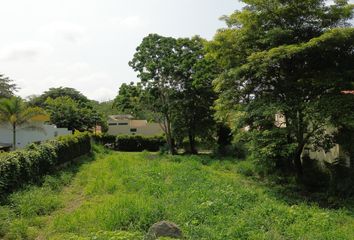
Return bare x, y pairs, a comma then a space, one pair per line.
120, 195
138, 143
15, 112
35, 202
246, 168
130, 100
104, 138
67, 113
270, 149
54, 93
176, 81
194, 95
292, 58
68, 108
29, 165
7, 88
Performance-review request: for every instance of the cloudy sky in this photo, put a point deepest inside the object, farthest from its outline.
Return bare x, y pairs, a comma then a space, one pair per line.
86, 44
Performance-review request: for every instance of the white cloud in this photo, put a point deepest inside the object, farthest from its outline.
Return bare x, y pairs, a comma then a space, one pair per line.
67, 31
25, 51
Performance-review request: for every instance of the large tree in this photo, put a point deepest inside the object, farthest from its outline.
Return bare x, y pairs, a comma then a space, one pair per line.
15, 112
176, 86
288, 57
7, 87
194, 97
130, 101
68, 113
69, 108
58, 92
155, 61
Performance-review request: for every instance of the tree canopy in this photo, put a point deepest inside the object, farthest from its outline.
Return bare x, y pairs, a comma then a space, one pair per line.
67, 113
7, 87
15, 112
59, 92
285, 57
176, 82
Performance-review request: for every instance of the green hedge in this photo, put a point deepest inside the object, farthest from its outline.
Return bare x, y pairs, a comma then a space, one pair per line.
131, 143
138, 143
104, 138
30, 164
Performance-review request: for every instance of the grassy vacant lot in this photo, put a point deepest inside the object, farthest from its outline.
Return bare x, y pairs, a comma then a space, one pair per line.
119, 195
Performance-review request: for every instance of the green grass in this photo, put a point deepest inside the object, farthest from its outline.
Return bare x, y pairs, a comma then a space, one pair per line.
120, 195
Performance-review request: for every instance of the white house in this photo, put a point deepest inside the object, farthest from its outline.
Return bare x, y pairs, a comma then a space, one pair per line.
36, 131
126, 125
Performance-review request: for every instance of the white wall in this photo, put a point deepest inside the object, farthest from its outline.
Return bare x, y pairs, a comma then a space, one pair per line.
142, 127
36, 132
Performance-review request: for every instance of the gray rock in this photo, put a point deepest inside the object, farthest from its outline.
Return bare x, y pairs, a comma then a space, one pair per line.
164, 229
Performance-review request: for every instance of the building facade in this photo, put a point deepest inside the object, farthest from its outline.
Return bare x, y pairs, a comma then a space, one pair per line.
35, 131
126, 125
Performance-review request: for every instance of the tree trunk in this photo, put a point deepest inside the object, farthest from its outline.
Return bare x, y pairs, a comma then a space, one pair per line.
170, 141
14, 136
192, 146
300, 146
297, 162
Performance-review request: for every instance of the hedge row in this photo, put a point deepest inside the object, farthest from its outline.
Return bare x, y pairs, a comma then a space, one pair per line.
30, 164
139, 143
134, 143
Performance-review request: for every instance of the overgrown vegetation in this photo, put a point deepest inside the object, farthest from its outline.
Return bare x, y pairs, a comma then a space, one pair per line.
32, 163
291, 59
131, 143
68, 108
120, 195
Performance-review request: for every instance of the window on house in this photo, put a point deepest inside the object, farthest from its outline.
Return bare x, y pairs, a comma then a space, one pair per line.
122, 124
133, 130
112, 124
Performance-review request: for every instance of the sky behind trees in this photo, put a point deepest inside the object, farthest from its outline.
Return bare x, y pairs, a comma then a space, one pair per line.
86, 44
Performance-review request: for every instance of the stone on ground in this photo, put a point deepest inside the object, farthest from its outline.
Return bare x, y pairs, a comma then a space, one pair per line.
164, 229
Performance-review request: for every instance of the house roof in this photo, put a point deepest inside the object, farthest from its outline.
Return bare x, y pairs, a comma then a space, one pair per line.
120, 117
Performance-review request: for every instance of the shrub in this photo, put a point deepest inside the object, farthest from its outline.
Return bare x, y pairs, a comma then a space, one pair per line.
138, 143
104, 138
30, 164
246, 168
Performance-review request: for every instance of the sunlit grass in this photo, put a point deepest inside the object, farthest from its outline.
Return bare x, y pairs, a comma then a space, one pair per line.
120, 195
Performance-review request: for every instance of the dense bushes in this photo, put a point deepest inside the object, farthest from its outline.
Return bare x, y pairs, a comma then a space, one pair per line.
104, 139
135, 143
30, 164
139, 143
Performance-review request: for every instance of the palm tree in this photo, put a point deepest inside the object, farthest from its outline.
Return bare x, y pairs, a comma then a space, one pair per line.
15, 112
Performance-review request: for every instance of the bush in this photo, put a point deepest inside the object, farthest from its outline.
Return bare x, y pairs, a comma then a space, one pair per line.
139, 143
246, 168
104, 138
30, 164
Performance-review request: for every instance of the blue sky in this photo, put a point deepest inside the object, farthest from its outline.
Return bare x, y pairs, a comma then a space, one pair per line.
86, 44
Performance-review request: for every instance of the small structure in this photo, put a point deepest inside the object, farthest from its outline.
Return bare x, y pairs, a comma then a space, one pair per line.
35, 131
336, 152
127, 125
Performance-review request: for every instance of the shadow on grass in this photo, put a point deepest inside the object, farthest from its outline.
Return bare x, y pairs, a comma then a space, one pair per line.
292, 193
284, 188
